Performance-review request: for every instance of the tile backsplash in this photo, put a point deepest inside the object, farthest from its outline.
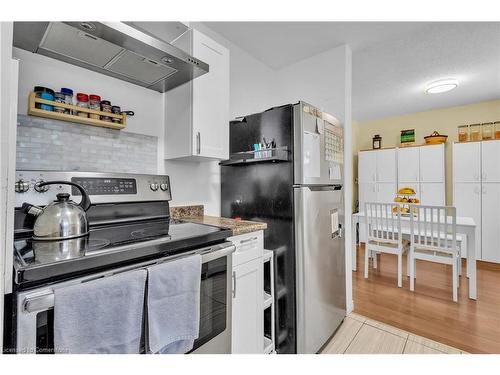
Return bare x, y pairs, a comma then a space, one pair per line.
59, 145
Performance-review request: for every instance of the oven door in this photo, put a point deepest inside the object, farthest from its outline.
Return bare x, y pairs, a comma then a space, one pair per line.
34, 332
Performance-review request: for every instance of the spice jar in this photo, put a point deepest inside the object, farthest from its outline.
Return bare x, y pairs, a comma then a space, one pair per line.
106, 107
95, 104
44, 93
475, 132
496, 125
68, 99
463, 133
82, 100
59, 98
116, 110
487, 130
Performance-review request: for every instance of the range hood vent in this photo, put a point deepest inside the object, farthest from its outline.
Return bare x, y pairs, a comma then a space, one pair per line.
115, 49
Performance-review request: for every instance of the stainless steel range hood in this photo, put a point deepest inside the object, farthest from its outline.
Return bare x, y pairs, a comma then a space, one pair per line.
116, 49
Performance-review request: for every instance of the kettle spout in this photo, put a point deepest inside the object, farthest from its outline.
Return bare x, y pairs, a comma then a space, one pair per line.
30, 209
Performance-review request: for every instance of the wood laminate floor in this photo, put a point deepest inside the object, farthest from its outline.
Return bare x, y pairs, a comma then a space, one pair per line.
361, 335
471, 326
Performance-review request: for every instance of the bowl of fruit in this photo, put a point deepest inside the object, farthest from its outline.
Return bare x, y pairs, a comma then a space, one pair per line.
405, 197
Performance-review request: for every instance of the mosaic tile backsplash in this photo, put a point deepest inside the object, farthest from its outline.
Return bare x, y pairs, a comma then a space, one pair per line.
58, 145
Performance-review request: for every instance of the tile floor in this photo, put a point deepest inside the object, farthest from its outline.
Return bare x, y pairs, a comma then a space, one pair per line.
361, 335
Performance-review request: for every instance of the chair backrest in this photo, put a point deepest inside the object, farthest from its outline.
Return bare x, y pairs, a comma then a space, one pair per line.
434, 227
383, 222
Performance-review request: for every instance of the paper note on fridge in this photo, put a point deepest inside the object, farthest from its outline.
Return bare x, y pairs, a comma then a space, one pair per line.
312, 159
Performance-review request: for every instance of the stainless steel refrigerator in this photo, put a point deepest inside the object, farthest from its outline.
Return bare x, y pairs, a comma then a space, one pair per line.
286, 169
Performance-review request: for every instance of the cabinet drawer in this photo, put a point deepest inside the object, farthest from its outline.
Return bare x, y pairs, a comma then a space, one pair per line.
249, 246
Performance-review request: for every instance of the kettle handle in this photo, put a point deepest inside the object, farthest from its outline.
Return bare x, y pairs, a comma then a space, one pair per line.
84, 204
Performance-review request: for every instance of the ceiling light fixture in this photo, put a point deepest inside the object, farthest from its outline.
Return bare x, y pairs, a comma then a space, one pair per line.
441, 85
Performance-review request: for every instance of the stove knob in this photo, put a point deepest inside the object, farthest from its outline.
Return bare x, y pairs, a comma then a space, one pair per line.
164, 187
22, 186
153, 186
41, 189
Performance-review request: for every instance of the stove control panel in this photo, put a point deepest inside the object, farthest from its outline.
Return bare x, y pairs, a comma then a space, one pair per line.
102, 187
105, 186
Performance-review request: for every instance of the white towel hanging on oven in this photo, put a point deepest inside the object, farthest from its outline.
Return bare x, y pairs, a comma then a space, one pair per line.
174, 305
100, 316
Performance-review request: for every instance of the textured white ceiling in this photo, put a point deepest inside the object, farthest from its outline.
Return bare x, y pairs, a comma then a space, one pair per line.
392, 61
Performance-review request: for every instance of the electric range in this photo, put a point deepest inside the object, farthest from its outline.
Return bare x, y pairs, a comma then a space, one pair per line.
130, 229
129, 222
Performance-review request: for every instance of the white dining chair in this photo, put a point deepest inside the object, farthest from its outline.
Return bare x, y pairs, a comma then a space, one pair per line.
383, 234
434, 239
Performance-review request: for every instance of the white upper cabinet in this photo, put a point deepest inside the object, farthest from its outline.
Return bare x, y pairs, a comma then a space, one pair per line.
386, 165
490, 161
408, 164
367, 166
467, 162
197, 113
432, 163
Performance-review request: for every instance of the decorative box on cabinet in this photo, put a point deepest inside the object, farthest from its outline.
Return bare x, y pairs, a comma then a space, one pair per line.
197, 113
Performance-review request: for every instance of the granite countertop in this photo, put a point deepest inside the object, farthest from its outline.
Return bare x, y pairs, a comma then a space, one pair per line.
196, 214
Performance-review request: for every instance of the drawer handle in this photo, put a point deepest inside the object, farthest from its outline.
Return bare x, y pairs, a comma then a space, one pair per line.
248, 240
234, 284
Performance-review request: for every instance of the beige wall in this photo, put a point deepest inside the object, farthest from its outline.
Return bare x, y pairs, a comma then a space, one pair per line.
445, 121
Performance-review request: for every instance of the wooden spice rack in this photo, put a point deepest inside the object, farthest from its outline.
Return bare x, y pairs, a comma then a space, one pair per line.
33, 111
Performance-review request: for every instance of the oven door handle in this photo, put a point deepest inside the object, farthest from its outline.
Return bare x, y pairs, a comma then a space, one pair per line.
45, 300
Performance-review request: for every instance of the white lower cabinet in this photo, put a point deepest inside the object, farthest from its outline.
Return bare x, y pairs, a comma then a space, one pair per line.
467, 200
490, 223
248, 285
248, 321
432, 193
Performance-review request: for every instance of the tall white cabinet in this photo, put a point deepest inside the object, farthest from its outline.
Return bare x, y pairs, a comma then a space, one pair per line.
197, 113
382, 172
377, 176
476, 192
423, 169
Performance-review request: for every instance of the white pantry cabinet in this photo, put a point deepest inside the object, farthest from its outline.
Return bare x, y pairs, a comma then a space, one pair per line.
490, 219
423, 169
248, 287
467, 162
408, 165
197, 113
476, 192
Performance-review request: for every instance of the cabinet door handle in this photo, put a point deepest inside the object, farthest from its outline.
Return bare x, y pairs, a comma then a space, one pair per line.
198, 143
248, 240
234, 284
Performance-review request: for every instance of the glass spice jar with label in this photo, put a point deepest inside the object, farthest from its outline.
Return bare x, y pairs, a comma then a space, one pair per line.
95, 104
82, 100
487, 130
463, 133
106, 107
496, 126
475, 132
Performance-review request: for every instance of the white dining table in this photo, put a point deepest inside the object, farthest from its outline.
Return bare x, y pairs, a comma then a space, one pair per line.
465, 227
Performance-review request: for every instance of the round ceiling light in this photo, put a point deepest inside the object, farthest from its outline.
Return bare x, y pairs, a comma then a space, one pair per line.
441, 85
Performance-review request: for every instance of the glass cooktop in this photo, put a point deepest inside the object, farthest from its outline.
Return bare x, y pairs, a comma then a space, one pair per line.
109, 245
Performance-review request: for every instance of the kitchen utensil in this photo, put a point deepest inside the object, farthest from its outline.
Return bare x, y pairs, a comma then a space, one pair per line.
61, 219
435, 138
